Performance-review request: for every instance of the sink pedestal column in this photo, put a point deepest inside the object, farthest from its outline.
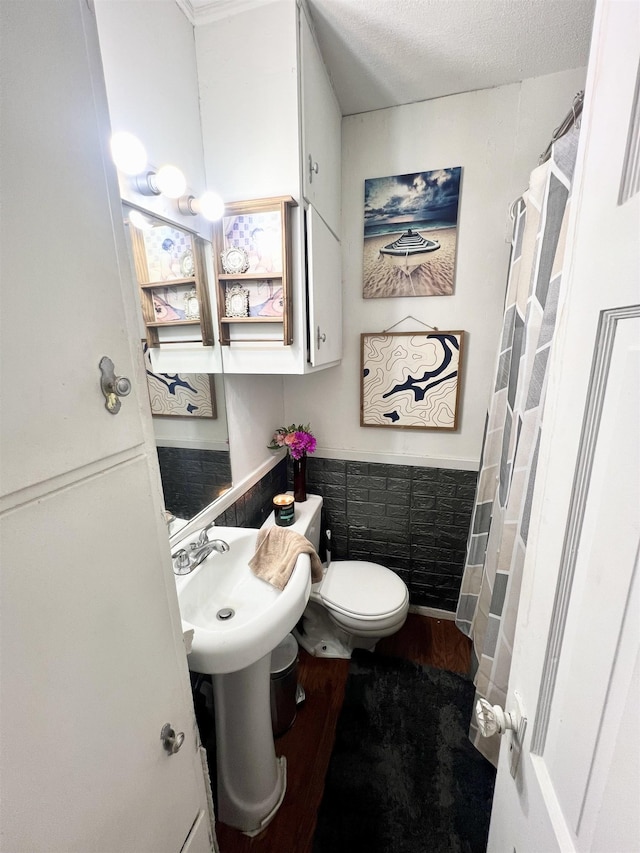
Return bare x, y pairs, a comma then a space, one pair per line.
251, 780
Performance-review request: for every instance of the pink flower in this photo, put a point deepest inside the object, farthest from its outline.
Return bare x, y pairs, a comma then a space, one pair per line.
299, 440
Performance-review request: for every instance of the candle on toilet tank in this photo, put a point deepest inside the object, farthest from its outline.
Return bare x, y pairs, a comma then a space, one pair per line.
284, 510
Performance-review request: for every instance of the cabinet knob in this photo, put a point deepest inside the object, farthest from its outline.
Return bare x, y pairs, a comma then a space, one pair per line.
313, 168
321, 337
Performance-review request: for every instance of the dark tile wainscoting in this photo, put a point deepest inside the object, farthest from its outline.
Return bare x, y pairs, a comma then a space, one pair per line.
413, 520
253, 508
192, 479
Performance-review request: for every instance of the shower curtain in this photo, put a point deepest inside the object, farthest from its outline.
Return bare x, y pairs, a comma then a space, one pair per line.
488, 604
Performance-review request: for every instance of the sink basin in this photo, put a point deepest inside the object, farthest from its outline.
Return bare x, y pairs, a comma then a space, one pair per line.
262, 615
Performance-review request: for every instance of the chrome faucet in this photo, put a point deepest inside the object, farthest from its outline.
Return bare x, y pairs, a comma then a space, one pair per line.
185, 561
203, 538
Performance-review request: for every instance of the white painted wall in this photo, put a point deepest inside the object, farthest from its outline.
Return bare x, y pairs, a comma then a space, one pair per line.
255, 409
496, 135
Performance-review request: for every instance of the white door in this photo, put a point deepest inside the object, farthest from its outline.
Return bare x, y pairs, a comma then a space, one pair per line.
324, 283
92, 659
575, 662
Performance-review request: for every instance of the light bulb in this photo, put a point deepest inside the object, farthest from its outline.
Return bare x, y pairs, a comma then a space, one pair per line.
170, 181
210, 205
139, 221
128, 153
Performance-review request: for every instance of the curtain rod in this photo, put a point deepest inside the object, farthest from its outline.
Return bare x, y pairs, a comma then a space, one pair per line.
570, 119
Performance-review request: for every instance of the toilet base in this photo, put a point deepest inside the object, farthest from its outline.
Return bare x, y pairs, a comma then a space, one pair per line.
322, 638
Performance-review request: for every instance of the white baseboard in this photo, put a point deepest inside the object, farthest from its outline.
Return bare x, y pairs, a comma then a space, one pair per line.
432, 612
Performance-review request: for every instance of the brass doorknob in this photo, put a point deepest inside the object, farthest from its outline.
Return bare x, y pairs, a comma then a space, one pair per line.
113, 387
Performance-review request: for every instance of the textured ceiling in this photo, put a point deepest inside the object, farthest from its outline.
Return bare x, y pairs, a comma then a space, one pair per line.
382, 53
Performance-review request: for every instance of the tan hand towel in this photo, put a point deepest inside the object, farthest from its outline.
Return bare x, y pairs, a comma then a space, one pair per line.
277, 550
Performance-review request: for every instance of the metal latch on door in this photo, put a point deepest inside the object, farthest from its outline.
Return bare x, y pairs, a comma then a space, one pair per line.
113, 387
313, 168
171, 739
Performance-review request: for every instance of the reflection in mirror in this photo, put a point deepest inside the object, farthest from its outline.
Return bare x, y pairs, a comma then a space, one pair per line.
188, 409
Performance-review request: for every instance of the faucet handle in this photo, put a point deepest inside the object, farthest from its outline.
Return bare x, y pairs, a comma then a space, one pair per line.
204, 538
181, 562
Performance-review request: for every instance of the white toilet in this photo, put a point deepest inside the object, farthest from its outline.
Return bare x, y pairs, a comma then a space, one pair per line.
356, 602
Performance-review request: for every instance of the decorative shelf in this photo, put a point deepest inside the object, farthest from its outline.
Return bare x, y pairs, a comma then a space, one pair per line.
174, 282
244, 276
170, 268
255, 236
251, 319
161, 325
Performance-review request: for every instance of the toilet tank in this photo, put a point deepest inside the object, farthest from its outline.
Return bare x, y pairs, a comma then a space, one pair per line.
308, 516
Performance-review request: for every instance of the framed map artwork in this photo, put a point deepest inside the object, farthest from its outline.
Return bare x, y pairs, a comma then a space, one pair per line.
410, 380
187, 395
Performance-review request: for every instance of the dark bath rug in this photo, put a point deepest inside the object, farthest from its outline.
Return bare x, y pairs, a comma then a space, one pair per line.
403, 776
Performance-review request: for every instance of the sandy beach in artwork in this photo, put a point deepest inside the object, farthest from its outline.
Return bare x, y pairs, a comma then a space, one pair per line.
435, 277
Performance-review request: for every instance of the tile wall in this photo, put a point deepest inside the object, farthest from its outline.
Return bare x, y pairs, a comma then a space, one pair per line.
413, 520
192, 479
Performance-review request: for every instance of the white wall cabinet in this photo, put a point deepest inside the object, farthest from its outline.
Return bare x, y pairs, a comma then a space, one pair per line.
324, 292
321, 131
267, 106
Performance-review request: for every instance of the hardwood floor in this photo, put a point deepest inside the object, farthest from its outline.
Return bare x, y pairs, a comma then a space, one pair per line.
308, 744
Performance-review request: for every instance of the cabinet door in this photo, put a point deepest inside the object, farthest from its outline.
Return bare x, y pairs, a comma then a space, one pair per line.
325, 291
321, 132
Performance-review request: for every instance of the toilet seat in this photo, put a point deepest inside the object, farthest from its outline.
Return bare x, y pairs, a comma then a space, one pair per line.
364, 591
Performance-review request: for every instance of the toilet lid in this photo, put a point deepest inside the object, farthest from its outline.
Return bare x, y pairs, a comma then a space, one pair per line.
362, 588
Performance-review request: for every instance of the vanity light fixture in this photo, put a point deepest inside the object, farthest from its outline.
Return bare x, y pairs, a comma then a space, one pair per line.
209, 205
168, 180
130, 157
128, 153
139, 221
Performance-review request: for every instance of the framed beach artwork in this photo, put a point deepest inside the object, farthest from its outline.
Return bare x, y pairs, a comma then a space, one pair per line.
186, 395
410, 380
410, 234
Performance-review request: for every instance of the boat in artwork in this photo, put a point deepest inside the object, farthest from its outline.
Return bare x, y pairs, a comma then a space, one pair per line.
409, 251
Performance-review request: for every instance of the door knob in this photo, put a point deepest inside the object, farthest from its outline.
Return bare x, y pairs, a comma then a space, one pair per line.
113, 387
171, 740
492, 719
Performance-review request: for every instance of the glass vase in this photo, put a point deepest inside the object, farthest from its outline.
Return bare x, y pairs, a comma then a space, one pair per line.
300, 479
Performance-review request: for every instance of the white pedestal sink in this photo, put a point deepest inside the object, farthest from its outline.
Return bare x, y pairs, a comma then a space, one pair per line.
236, 649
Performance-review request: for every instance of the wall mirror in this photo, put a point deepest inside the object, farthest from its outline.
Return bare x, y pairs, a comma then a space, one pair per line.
169, 265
